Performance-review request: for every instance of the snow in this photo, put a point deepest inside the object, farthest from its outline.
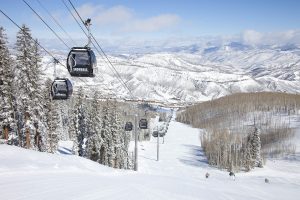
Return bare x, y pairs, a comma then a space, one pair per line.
179, 174
180, 77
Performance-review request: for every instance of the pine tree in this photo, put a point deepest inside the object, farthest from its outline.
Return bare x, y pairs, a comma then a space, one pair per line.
7, 98
107, 141
72, 130
256, 147
105, 135
63, 125
125, 154
114, 139
124, 162
52, 119
37, 102
118, 149
94, 141
80, 122
252, 157
247, 159
28, 76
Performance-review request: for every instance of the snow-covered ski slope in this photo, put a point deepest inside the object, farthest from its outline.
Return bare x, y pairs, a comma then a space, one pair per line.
180, 174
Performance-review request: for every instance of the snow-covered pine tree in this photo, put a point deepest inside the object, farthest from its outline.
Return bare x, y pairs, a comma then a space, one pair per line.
80, 122
52, 119
256, 147
28, 83
7, 98
115, 143
124, 139
37, 101
247, 158
63, 127
72, 124
24, 46
94, 140
105, 135
72, 129
252, 156
118, 149
114, 136
125, 153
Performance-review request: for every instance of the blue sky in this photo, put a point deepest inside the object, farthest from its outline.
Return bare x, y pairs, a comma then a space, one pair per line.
146, 19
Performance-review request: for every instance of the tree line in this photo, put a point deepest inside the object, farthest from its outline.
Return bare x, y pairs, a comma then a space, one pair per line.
241, 130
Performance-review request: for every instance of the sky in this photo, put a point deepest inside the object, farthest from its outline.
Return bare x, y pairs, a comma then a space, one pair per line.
253, 20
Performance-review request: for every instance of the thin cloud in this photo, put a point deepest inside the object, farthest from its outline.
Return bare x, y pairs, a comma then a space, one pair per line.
114, 15
89, 10
123, 19
254, 38
152, 24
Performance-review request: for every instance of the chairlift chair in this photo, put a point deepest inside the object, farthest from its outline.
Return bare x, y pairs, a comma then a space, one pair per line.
61, 89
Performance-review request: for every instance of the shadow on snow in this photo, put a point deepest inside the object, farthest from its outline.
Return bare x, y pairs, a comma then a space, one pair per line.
195, 156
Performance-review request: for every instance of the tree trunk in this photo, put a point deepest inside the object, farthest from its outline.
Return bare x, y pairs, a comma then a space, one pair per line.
27, 132
20, 137
27, 138
6, 132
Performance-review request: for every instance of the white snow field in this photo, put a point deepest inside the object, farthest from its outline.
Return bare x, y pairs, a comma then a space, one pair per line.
179, 174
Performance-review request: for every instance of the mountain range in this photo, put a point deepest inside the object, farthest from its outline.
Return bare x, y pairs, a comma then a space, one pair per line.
185, 74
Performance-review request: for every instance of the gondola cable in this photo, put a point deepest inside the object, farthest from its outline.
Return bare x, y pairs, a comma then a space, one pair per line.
53, 33
63, 1
56, 22
142, 122
37, 43
47, 50
114, 93
46, 24
104, 54
41, 46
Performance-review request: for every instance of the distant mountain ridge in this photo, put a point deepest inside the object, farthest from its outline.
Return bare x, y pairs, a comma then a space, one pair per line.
192, 73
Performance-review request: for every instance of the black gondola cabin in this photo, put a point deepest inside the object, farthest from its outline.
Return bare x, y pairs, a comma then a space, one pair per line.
128, 126
143, 124
81, 61
61, 88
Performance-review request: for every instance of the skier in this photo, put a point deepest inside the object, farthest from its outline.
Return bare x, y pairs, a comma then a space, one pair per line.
267, 180
232, 175
207, 175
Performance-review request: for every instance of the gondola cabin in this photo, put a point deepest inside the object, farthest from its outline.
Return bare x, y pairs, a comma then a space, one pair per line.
81, 61
61, 88
128, 126
155, 133
143, 124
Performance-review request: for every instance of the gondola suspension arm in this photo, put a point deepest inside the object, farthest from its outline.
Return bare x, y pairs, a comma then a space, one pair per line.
88, 24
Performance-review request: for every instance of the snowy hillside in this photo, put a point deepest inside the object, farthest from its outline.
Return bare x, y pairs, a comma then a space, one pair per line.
179, 174
185, 76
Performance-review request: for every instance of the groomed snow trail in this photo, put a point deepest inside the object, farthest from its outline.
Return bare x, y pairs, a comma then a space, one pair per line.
179, 174
180, 153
